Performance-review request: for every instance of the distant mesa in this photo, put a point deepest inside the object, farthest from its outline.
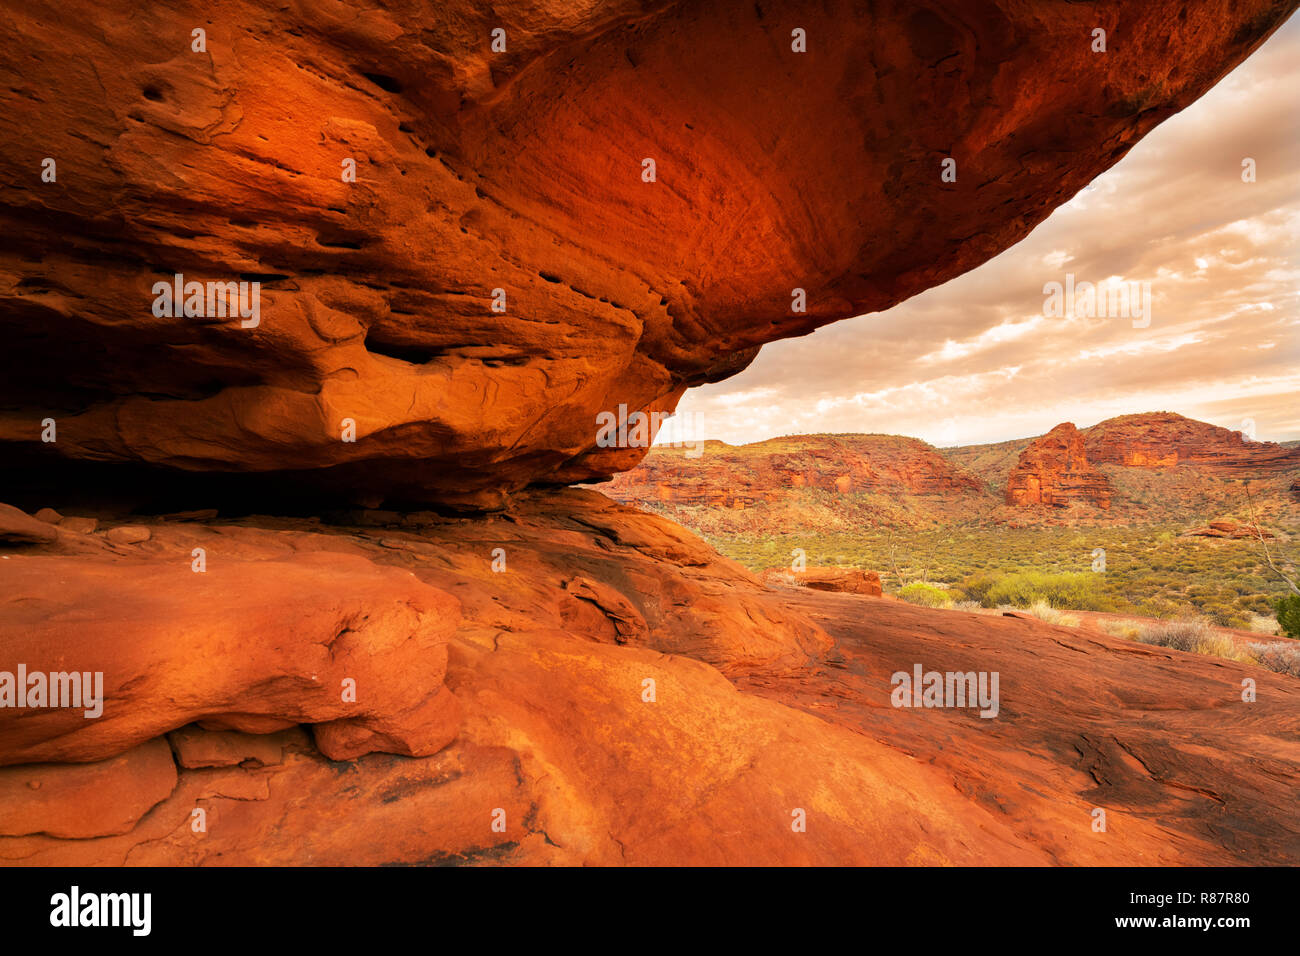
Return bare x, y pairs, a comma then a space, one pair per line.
1165, 440
1153, 466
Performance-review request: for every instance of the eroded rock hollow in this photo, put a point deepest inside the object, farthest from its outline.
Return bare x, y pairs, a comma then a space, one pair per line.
474, 229
501, 271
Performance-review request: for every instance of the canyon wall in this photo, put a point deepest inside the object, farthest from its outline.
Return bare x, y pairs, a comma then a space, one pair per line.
715, 474
1165, 440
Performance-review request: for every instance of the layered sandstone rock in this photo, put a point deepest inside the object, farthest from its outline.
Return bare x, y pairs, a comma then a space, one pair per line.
1166, 440
359, 652
1229, 529
195, 747
77, 801
799, 482
589, 742
446, 326
17, 527
1054, 470
501, 271
844, 580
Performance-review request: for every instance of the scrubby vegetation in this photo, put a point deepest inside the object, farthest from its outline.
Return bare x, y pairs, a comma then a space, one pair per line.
1150, 571
1281, 657
918, 592
1079, 590
1196, 636
1190, 586
1192, 635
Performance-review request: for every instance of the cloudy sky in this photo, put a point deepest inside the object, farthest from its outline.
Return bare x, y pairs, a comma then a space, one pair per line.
975, 360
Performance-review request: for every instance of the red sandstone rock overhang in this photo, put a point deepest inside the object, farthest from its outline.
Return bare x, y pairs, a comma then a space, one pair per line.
522, 171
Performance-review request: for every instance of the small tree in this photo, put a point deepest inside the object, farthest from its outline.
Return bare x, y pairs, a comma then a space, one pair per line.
1288, 615
1287, 606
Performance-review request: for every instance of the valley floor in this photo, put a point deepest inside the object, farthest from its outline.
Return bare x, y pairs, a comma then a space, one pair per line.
1148, 570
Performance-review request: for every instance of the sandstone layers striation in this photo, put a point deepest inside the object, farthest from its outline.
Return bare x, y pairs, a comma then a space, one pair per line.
619, 694
1166, 440
1054, 471
719, 475
564, 680
512, 179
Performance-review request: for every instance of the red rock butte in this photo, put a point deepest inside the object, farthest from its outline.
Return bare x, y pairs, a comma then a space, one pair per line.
1054, 470
527, 673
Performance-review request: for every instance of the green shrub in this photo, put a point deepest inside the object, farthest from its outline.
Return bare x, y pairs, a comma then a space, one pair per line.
1158, 607
1077, 590
976, 587
927, 595
1227, 617
1288, 614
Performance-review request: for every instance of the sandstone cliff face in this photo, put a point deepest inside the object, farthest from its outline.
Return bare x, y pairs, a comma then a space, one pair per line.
1165, 440
500, 270
1163, 468
720, 475
875, 483
1054, 470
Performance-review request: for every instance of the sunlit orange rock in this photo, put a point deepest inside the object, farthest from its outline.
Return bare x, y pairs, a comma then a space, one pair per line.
596, 745
501, 271
1229, 529
447, 326
1054, 470
844, 580
324, 639
1165, 440
77, 801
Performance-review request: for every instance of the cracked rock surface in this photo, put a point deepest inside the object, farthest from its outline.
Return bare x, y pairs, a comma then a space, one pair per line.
666, 708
